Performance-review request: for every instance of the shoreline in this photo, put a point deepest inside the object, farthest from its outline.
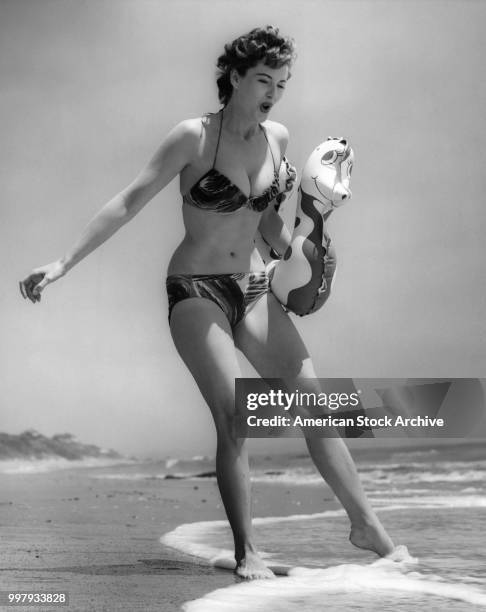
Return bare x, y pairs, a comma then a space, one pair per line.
98, 539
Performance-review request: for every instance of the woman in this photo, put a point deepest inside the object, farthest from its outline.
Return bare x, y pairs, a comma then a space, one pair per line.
219, 299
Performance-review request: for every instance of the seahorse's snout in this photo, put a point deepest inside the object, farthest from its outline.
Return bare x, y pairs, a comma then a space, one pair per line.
340, 194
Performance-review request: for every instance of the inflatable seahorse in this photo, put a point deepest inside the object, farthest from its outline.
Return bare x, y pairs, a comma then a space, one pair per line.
302, 279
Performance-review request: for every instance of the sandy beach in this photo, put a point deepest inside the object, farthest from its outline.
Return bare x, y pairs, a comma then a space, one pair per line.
98, 528
98, 539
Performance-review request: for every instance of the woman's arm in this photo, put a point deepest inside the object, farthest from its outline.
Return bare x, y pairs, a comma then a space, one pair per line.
172, 156
272, 229
274, 233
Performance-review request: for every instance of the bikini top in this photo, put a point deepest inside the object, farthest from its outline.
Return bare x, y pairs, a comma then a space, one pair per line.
215, 192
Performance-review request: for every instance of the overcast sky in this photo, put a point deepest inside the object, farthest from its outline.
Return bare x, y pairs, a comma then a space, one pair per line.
88, 91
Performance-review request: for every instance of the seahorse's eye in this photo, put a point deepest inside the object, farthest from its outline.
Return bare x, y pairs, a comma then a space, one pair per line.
329, 158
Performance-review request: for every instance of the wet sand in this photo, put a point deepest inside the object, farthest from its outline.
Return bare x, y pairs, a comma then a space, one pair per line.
98, 539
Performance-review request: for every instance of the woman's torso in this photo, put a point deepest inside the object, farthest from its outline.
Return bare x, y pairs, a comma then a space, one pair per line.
219, 218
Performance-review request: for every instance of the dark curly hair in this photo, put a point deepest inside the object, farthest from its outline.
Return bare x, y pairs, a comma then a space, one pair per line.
260, 45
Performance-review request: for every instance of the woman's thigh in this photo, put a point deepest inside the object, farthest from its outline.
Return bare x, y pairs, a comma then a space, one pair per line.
203, 338
270, 341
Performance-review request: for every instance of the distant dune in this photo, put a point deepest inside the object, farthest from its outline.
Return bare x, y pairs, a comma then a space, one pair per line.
33, 445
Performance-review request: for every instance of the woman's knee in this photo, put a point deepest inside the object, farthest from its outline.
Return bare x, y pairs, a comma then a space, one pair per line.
227, 430
305, 382
307, 399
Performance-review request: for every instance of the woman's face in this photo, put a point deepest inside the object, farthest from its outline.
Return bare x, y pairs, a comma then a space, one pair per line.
260, 88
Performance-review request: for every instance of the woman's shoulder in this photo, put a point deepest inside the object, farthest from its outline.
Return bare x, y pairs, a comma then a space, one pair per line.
188, 128
185, 136
191, 130
279, 132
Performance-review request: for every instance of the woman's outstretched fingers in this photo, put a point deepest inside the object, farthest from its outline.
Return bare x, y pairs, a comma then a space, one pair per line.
22, 289
32, 286
26, 287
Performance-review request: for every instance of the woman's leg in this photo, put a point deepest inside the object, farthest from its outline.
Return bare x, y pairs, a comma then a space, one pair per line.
203, 338
273, 345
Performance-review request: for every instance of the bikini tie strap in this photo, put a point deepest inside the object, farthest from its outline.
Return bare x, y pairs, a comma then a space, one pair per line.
219, 138
271, 152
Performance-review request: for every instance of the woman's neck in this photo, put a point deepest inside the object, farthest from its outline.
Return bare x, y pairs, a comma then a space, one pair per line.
239, 123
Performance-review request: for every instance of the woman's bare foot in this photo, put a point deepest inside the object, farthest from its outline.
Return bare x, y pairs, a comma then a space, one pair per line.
252, 567
371, 535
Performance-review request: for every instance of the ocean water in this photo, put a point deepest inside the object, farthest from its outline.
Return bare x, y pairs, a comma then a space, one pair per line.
433, 501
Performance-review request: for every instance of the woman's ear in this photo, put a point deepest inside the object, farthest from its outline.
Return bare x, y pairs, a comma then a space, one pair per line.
234, 78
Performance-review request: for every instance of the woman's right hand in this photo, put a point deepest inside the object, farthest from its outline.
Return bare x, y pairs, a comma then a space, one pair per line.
32, 286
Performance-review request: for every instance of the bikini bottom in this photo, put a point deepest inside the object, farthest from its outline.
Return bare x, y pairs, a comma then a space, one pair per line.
233, 293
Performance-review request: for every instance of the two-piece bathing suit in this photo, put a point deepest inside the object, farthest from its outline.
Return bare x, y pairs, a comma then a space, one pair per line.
233, 293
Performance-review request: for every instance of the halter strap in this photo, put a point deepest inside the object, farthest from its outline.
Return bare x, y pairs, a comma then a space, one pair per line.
271, 152
219, 138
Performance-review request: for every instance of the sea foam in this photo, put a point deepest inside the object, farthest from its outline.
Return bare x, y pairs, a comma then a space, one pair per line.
309, 585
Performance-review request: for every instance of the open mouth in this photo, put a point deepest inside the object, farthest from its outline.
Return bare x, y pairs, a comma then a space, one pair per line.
265, 107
